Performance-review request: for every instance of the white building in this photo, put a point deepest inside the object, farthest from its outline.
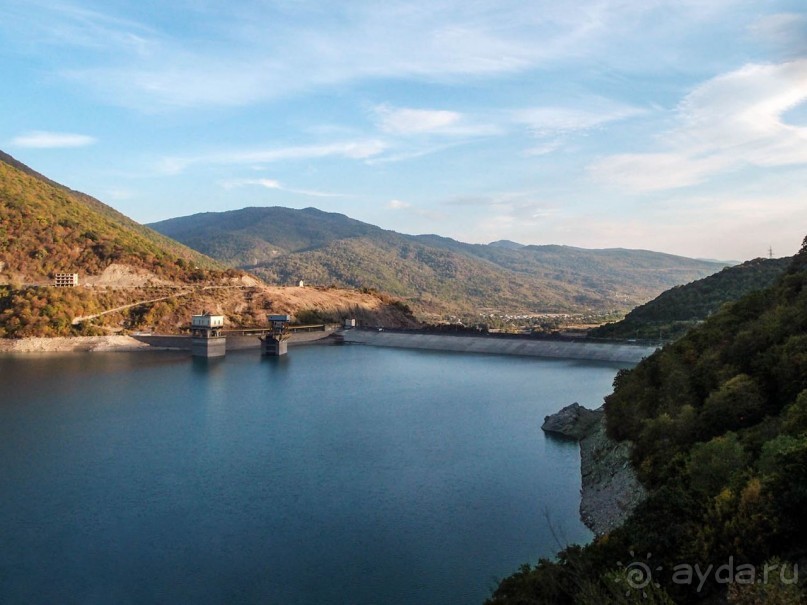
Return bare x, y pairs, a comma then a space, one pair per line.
207, 320
65, 280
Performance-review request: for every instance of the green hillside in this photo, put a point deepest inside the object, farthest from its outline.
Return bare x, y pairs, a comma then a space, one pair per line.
47, 228
253, 236
433, 273
675, 311
718, 422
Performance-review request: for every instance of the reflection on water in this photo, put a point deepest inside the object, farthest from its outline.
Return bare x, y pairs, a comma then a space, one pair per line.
332, 475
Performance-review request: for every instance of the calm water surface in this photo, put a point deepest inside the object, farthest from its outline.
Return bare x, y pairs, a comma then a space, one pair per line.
335, 475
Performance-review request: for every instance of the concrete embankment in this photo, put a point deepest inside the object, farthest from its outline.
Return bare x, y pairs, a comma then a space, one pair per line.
76, 344
596, 351
234, 343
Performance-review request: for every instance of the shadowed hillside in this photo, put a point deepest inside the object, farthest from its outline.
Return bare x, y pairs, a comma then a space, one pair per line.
718, 426
675, 311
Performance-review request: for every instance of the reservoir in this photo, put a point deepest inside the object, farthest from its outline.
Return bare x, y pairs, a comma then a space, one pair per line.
348, 474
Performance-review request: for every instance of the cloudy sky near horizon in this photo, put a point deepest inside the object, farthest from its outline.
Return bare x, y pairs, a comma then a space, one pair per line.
672, 125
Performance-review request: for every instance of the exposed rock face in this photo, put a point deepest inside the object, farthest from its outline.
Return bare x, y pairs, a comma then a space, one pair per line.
573, 422
610, 489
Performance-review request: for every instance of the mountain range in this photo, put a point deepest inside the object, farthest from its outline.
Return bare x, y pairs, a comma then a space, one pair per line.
433, 273
131, 277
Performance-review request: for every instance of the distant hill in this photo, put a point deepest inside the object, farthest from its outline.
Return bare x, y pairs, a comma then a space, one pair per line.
506, 243
433, 273
131, 277
673, 312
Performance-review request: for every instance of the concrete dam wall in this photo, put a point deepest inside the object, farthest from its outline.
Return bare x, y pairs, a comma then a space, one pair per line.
596, 351
234, 342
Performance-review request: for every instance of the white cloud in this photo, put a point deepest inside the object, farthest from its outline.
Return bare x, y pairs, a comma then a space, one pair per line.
731, 121
276, 185
545, 148
516, 211
412, 152
409, 121
655, 171
356, 150
415, 121
52, 140
398, 205
260, 51
267, 183
551, 121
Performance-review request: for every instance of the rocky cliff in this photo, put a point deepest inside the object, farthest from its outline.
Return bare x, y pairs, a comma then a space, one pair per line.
610, 490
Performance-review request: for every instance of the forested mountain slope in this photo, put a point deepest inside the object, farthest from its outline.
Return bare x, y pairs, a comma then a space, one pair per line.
47, 228
718, 420
675, 311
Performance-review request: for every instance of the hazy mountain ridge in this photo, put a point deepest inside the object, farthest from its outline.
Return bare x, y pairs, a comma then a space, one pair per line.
432, 271
676, 310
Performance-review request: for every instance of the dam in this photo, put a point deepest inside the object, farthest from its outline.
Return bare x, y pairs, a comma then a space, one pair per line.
496, 345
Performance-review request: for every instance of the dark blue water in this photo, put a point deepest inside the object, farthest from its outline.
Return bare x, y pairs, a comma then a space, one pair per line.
336, 475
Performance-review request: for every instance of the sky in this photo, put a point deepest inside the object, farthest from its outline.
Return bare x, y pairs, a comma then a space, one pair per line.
670, 125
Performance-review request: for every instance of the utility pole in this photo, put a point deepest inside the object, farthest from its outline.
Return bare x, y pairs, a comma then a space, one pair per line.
770, 251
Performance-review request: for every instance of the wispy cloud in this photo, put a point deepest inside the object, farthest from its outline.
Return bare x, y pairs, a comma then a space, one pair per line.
731, 121
276, 185
409, 121
642, 172
522, 208
398, 205
553, 121
403, 153
356, 150
70, 25
52, 140
262, 51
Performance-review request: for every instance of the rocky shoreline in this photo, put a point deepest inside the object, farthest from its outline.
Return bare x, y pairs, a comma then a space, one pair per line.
90, 344
610, 489
71, 344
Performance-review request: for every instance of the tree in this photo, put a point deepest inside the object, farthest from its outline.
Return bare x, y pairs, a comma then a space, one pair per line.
712, 464
738, 403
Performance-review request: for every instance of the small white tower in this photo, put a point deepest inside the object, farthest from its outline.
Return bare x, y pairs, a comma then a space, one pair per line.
206, 337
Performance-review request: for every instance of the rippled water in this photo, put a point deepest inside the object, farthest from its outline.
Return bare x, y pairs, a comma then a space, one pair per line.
335, 475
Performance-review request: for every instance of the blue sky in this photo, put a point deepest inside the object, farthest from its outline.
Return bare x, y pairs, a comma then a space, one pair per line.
672, 125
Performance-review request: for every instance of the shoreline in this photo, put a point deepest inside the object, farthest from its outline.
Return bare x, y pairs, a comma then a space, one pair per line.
609, 487
129, 344
493, 345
